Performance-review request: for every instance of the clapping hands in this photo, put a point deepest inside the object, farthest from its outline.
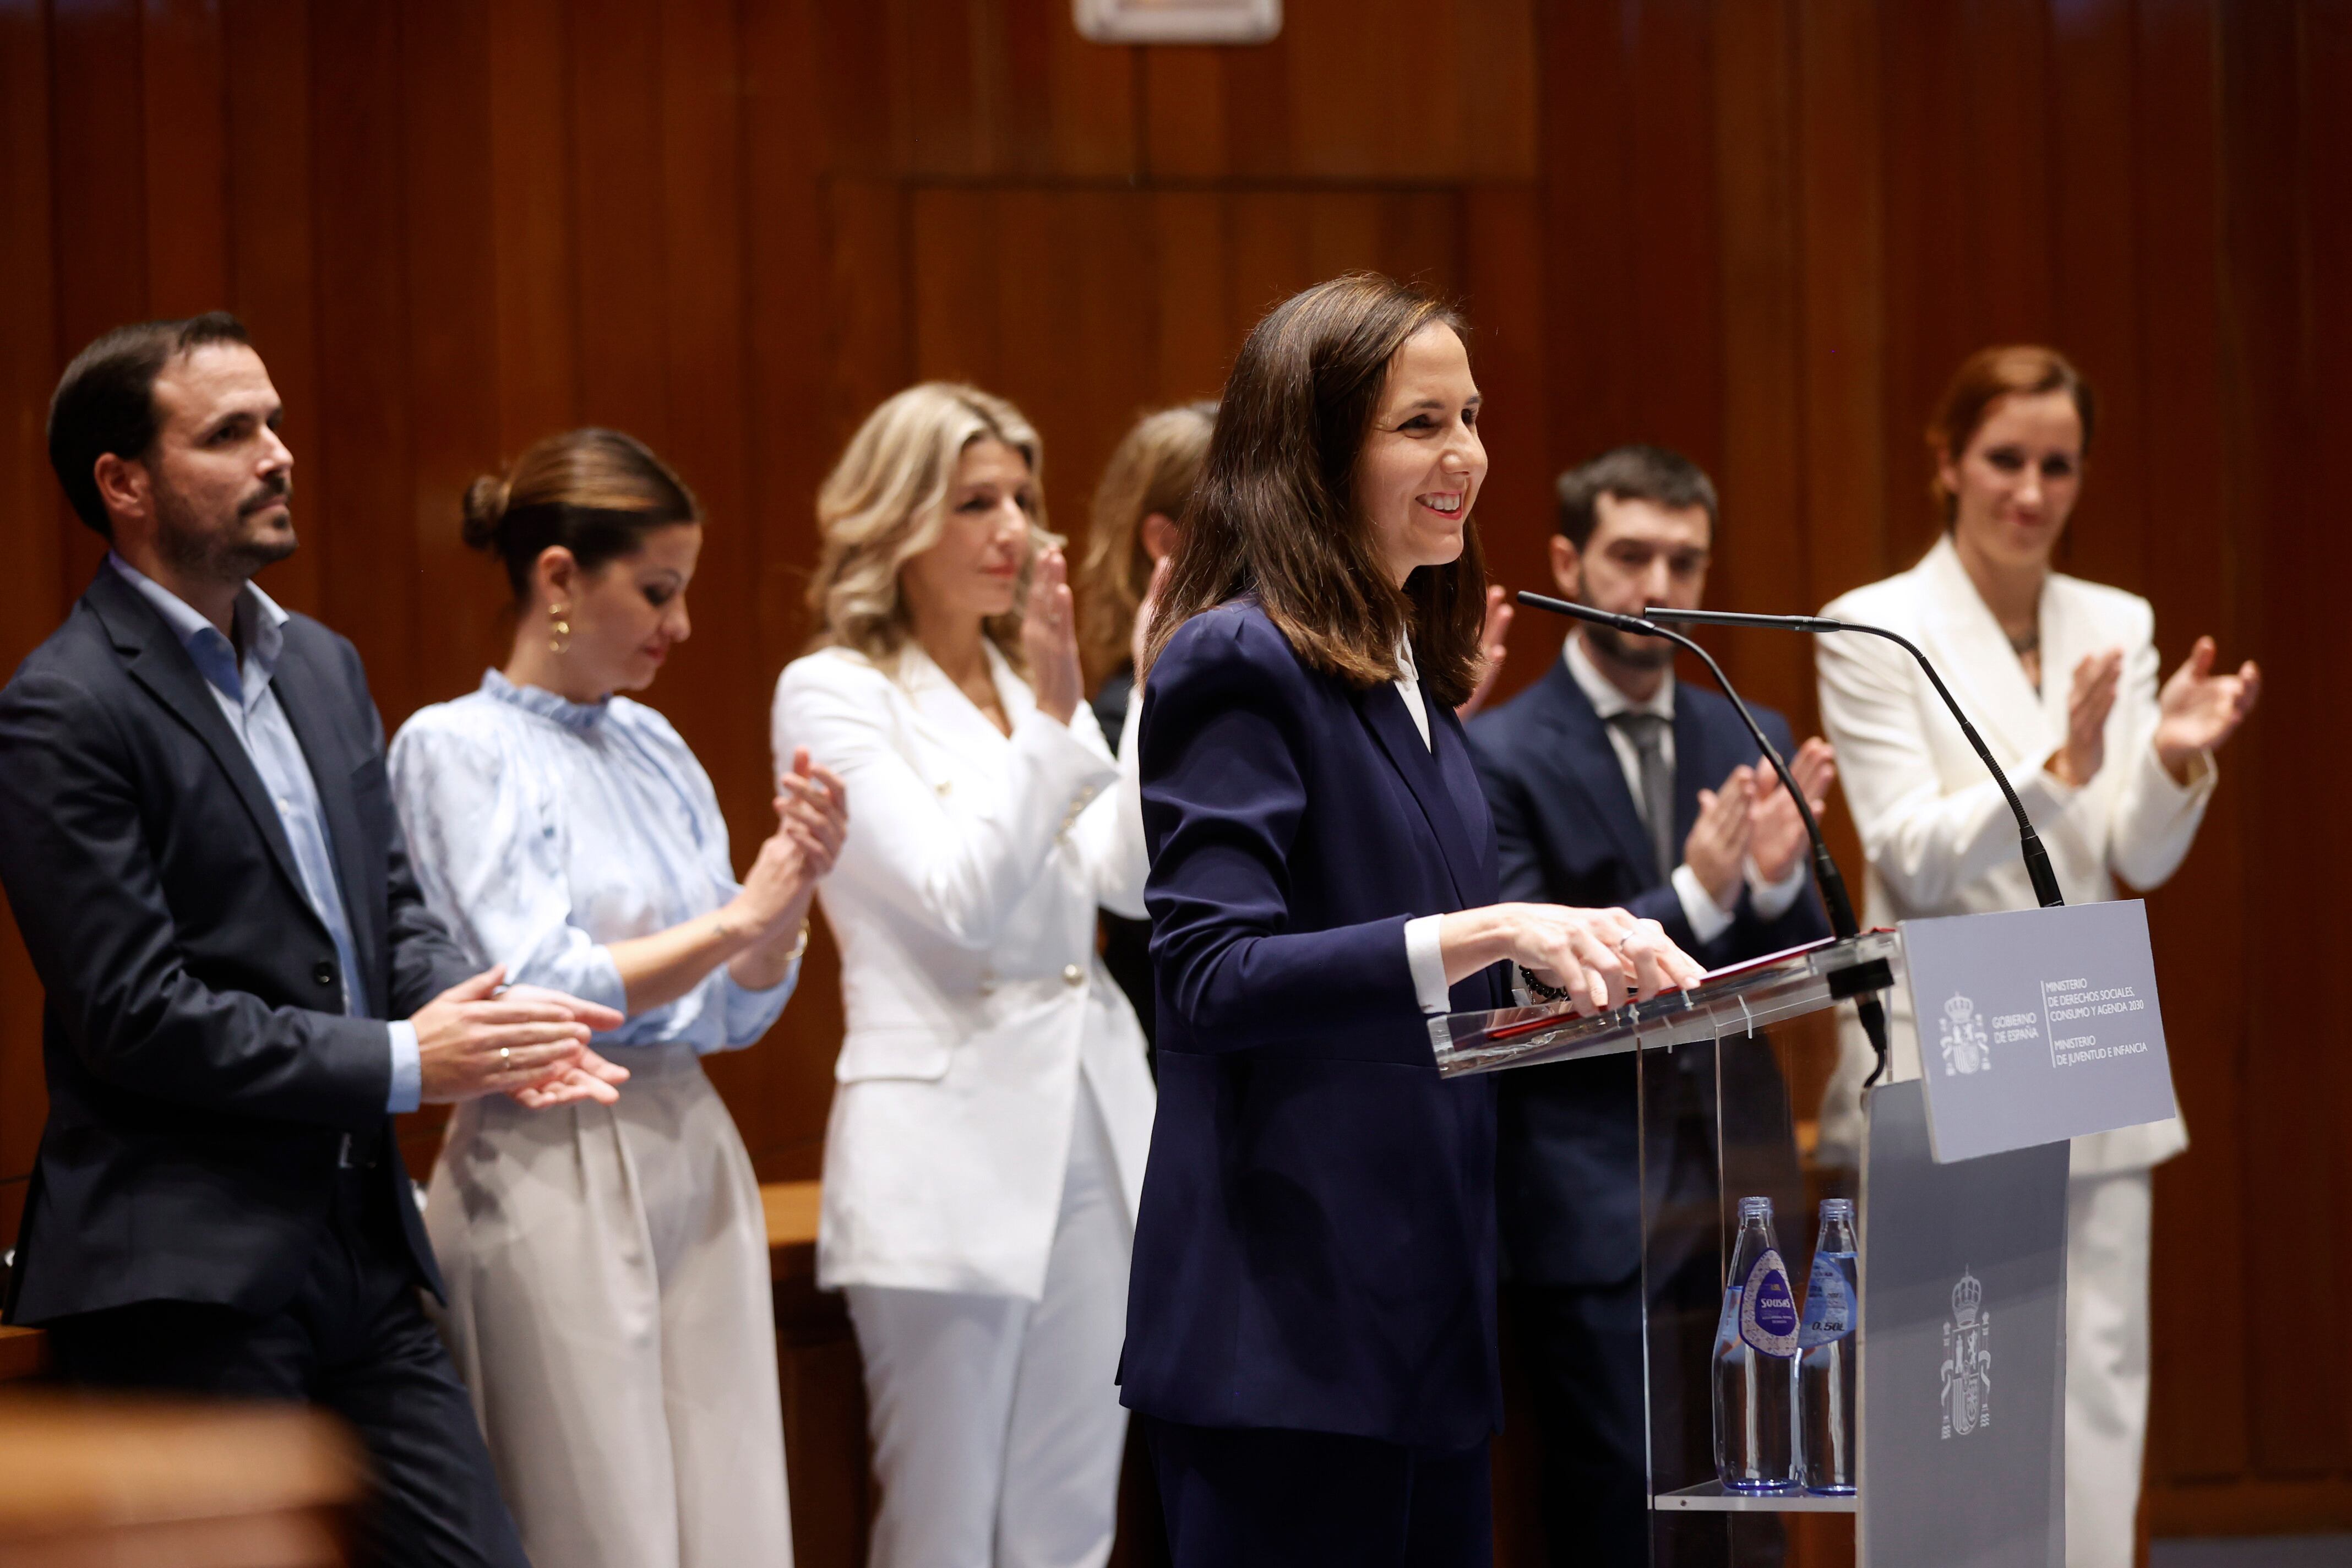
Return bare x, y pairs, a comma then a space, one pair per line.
1752, 820
2198, 710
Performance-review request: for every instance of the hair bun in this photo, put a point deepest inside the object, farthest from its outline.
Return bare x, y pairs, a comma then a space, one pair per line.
485, 508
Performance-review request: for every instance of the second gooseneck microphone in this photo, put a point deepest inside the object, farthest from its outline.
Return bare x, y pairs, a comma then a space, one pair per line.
1834, 898
2037, 858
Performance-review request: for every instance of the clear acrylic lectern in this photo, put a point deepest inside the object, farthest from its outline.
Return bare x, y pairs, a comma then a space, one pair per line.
1953, 1447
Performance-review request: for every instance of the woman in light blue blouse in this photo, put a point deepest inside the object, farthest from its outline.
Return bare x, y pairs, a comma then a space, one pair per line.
608, 1266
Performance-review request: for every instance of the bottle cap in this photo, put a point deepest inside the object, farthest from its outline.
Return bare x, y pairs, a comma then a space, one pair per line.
1838, 1208
1756, 1206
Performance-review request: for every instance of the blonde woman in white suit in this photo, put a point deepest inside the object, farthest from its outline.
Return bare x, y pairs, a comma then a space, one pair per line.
992, 1108
2062, 677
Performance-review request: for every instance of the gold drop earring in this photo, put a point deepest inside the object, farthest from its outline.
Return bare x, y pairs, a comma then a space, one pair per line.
558, 637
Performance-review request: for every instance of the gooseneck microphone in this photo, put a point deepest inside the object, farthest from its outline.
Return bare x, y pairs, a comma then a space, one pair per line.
1825, 870
2029, 842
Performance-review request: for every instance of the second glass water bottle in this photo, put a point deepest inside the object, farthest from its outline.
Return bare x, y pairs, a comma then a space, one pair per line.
1756, 1444
1825, 1347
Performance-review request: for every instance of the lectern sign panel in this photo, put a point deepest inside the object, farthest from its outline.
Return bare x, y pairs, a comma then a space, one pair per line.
2036, 1026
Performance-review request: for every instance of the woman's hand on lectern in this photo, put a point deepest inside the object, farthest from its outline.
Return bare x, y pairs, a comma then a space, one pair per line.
1599, 957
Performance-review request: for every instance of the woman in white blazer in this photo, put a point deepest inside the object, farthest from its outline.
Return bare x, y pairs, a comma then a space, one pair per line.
2061, 675
993, 1107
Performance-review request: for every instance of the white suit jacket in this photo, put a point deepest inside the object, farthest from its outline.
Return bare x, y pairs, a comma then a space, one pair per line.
964, 907
1939, 836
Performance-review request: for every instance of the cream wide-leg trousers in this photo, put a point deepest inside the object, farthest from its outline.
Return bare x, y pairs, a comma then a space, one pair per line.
996, 1422
609, 1308
2107, 1229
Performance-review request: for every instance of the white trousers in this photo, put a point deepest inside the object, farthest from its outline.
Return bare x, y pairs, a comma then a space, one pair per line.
997, 1424
610, 1311
2107, 1227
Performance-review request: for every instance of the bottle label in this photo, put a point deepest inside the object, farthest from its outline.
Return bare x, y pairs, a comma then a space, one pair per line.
1768, 1308
1829, 1305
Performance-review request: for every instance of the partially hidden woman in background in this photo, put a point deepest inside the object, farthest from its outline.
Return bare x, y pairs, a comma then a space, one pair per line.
993, 1107
1139, 506
609, 1301
2061, 675
1311, 1331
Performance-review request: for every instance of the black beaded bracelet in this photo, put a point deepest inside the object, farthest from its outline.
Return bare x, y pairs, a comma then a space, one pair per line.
1539, 991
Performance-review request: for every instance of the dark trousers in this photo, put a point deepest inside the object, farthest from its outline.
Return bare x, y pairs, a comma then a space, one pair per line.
1259, 1498
354, 1340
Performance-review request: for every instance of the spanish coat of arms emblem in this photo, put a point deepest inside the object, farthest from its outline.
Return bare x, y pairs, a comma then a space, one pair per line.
1968, 1360
1962, 1035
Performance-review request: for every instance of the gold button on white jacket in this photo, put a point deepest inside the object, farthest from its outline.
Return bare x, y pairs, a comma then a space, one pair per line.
1939, 836
964, 906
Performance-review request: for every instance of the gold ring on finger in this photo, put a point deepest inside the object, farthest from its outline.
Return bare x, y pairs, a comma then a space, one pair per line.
506, 1058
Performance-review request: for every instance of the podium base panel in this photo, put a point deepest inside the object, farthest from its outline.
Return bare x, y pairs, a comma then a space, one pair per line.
1708, 1497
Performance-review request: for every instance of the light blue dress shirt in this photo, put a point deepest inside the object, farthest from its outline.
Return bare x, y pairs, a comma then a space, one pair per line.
260, 726
542, 829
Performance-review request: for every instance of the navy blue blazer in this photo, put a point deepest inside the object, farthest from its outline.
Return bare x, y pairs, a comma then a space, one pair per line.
1569, 833
202, 1079
1315, 1248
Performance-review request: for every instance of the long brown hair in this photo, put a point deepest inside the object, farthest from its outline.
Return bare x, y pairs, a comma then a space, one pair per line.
1984, 378
1274, 514
1153, 469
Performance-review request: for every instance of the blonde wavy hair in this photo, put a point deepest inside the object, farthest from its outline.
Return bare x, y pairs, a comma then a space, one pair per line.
1153, 469
886, 501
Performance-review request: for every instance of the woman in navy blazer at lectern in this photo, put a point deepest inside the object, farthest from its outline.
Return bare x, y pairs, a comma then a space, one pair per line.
1311, 1331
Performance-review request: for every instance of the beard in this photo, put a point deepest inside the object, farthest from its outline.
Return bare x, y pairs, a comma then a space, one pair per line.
230, 554
1630, 652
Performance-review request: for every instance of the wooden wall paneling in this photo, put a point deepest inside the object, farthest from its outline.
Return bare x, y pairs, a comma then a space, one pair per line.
2092, 224
1667, 344
954, 256
619, 204
1926, 316
531, 222
2298, 1418
874, 315
1080, 341
2317, 546
1092, 127
1343, 125
1762, 562
1847, 439
30, 525
1183, 111
1503, 287
1501, 90
712, 691
943, 89
2199, 1415
450, 260
1199, 330
100, 208
271, 285
857, 105
1586, 258
785, 341
2004, 115
360, 497
183, 95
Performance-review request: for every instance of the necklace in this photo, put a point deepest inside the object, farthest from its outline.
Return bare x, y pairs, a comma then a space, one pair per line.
2021, 645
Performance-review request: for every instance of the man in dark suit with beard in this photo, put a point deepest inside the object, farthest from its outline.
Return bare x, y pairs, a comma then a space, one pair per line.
1611, 783
242, 981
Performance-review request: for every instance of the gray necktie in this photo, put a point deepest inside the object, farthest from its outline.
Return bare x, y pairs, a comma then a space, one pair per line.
1648, 733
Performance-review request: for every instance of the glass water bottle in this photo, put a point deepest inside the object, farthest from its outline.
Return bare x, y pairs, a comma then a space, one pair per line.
1756, 1444
1825, 1350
